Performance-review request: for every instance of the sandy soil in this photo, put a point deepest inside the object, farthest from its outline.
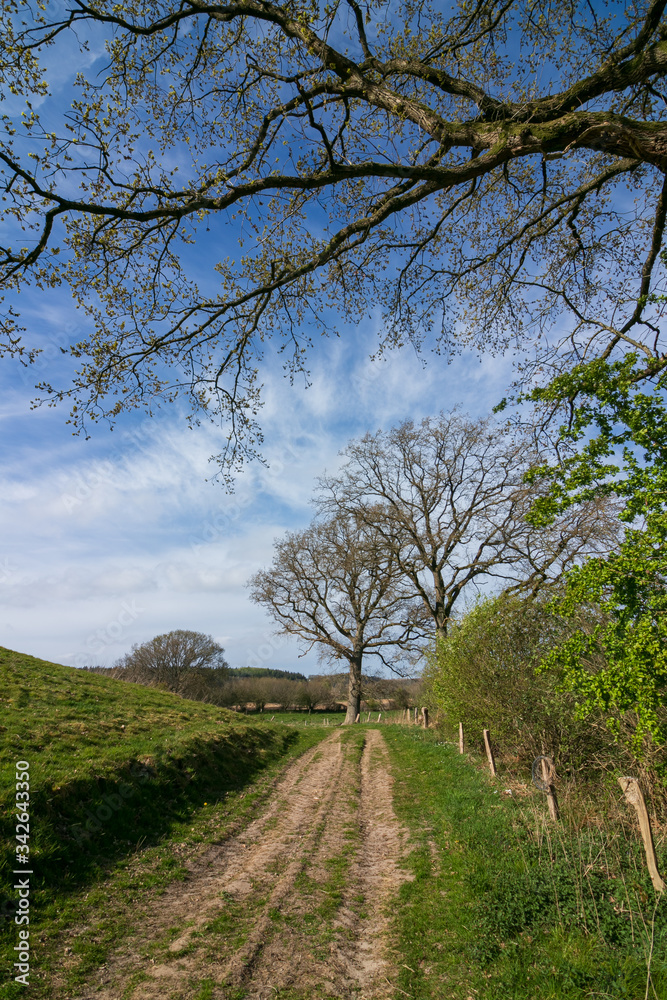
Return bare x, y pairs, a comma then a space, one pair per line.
296, 934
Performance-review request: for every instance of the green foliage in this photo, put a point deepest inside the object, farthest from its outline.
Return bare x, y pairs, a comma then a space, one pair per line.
483, 675
618, 434
505, 905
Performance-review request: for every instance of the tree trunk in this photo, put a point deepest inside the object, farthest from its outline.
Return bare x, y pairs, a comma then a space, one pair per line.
440, 615
354, 690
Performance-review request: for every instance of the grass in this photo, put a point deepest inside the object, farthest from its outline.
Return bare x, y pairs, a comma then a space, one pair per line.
505, 905
128, 783
124, 781
302, 719
205, 991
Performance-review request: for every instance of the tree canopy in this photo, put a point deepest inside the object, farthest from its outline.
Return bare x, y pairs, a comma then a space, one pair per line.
173, 658
449, 498
490, 172
337, 587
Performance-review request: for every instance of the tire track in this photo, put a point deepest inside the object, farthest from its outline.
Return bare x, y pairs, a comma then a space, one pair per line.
232, 868
358, 964
332, 807
378, 874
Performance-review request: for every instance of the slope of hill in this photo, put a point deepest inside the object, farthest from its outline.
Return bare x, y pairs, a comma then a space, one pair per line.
112, 766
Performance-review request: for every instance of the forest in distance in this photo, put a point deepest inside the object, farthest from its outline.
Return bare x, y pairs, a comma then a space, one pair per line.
255, 689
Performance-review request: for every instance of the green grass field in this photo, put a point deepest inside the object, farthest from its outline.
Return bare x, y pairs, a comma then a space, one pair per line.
117, 772
505, 905
127, 783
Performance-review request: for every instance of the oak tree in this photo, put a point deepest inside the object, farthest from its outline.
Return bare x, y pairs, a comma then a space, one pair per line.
491, 172
336, 587
450, 500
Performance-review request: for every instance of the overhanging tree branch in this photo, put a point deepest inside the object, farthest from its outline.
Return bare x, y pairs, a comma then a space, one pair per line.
420, 148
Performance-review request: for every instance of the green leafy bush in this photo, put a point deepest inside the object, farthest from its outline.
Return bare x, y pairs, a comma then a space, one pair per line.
484, 674
615, 442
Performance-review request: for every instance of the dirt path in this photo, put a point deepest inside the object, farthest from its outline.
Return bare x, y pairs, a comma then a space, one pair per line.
296, 905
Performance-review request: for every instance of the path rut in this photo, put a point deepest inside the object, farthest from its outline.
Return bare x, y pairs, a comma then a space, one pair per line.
297, 902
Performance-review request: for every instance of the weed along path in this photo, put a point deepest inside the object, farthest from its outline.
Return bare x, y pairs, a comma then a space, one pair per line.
294, 906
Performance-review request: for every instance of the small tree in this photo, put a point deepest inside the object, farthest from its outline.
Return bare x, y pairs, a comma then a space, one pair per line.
257, 691
173, 658
337, 587
312, 693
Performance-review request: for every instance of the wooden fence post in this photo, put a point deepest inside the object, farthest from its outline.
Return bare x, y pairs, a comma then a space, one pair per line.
634, 796
489, 752
425, 718
460, 737
548, 775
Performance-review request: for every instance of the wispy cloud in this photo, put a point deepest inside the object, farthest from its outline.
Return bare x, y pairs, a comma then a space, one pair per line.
119, 538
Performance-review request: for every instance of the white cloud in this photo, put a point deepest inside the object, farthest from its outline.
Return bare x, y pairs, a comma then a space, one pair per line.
120, 538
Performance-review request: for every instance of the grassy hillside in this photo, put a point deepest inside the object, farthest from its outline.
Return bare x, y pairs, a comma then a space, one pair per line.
114, 768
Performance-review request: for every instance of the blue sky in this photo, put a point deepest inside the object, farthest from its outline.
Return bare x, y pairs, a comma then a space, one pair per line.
110, 541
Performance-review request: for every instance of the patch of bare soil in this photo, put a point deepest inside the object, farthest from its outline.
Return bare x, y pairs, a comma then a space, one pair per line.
298, 902
378, 873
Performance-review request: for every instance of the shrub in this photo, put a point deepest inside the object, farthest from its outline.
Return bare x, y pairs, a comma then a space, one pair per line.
484, 675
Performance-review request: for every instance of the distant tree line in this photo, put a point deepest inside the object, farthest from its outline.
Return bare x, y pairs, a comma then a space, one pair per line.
193, 666
266, 672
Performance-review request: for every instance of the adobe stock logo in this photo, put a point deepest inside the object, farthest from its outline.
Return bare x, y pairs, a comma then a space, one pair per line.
8, 569
259, 656
83, 485
110, 633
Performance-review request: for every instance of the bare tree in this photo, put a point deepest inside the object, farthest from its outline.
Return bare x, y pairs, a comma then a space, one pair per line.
465, 165
174, 659
336, 586
449, 499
